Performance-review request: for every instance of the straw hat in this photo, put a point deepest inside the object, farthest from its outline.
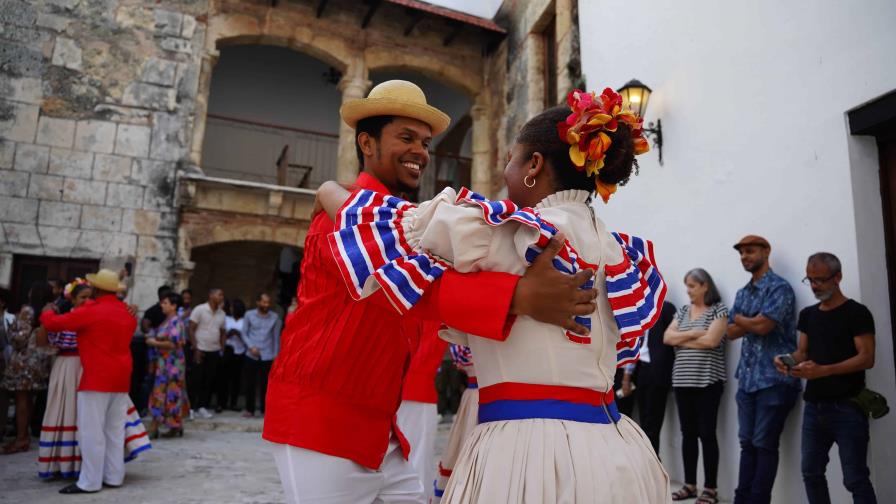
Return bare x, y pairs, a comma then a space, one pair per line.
105, 279
395, 98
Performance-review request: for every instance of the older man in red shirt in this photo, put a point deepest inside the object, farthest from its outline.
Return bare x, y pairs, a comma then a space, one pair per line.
104, 327
335, 386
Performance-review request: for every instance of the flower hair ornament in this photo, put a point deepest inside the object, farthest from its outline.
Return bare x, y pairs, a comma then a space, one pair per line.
70, 287
585, 132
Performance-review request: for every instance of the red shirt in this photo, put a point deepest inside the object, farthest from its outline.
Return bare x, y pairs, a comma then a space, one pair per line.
335, 386
104, 328
420, 380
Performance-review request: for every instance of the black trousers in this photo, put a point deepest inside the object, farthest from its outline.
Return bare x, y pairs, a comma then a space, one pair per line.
255, 376
698, 411
206, 378
230, 378
651, 407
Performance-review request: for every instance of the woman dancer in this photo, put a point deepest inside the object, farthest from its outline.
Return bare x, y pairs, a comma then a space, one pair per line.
465, 420
168, 402
59, 454
549, 431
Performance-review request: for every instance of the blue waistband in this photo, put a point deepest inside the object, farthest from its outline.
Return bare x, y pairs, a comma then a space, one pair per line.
548, 408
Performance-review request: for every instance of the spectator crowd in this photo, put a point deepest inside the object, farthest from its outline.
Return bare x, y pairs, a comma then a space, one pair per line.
196, 361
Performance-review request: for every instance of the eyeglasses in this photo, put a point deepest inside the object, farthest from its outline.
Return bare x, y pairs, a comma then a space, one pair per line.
817, 281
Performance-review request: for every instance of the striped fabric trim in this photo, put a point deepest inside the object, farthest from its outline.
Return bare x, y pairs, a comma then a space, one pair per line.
133, 424
59, 474
636, 291
370, 246
136, 451
567, 260
519, 401
461, 355
50, 444
438, 492
72, 458
472, 382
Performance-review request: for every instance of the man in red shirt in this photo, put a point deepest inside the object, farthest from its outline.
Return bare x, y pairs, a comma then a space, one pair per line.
104, 327
418, 416
335, 387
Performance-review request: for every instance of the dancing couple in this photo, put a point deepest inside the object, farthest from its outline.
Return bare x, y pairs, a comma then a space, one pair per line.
547, 299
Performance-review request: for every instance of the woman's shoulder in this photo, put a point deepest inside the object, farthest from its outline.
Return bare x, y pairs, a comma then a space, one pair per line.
719, 308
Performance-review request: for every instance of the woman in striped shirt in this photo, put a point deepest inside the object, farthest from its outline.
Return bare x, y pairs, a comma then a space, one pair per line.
698, 378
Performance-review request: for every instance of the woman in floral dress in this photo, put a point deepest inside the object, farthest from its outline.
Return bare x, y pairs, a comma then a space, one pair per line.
168, 402
28, 369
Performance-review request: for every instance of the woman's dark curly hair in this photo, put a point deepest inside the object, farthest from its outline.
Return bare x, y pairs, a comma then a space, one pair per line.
540, 135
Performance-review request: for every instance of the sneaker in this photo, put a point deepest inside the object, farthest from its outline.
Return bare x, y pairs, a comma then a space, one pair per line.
204, 413
247, 414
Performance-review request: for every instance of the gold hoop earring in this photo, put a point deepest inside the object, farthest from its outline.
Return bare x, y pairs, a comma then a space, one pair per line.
526, 183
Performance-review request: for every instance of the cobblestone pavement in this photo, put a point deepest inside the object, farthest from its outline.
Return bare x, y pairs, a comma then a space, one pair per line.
223, 460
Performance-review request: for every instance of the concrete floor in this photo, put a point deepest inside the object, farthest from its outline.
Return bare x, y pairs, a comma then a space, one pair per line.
223, 460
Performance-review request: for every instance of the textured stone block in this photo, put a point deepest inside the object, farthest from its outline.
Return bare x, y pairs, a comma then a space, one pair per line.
21, 89
56, 213
67, 54
150, 172
122, 245
45, 187
60, 241
132, 140
112, 168
168, 137
177, 45
125, 196
18, 122
13, 183
93, 243
18, 209
56, 132
168, 22
32, 158
71, 163
90, 192
142, 222
189, 27
22, 234
140, 94
159, 197
52, 21
7, 154
95, 136
158, 71
101, 218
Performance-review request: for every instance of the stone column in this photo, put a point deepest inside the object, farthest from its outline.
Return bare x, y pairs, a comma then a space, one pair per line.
199, 116
535, 69
353, 85
564, 29
182, 273
481, 176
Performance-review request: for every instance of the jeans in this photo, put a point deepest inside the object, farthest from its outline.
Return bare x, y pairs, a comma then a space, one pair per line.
255, 374
698, 411
845, 424
761, 416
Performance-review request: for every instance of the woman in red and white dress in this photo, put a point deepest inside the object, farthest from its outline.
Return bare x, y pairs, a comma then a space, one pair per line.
465, 420
59, 454
549, 430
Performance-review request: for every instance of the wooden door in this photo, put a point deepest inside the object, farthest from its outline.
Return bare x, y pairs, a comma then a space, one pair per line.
30, 269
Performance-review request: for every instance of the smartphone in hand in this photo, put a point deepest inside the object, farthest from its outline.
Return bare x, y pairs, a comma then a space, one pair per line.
788, 361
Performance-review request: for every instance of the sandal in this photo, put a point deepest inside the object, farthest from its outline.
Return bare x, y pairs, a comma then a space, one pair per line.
708, 496
685, 493
16, 447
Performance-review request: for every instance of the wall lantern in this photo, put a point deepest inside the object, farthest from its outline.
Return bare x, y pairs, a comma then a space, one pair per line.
636, 94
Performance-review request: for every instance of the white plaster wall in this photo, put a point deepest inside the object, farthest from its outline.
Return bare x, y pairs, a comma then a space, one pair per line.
753, 98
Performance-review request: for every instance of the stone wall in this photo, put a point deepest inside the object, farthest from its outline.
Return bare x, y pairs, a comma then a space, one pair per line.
96, 98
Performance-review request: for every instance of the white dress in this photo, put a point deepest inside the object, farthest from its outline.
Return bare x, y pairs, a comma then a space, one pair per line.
549, 432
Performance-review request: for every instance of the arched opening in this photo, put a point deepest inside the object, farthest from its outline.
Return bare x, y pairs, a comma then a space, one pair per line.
451, 152
272, 117
244, 269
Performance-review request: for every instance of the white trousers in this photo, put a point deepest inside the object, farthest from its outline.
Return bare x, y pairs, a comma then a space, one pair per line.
310, 477
419, 422
101, 418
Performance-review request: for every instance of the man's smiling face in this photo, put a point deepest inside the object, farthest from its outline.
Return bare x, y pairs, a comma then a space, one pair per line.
400, 155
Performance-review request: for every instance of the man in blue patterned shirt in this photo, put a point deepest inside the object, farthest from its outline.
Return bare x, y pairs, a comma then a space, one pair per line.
764, 314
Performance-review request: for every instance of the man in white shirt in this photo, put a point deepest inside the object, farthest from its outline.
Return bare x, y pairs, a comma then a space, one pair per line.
207, 337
